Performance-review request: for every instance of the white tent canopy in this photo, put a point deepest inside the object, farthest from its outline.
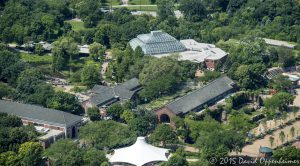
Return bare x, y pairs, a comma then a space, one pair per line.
139, 153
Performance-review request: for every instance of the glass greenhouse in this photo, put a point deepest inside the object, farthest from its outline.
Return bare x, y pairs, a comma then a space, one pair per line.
157, 42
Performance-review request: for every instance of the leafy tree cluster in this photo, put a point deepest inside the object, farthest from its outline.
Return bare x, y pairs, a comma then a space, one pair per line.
115, 29
106, 134
89, 75
158, 76
164, 134
67, 152
247, 62
28, 84
280, 83
162, 75
128, 64
29, 153
227, 19
88, 10
143, 122
213, 139
13, 133
209, 76
64, 51
287, 153
32, 20
279, 102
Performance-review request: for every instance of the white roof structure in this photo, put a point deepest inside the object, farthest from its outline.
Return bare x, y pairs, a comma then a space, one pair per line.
84, 49
198, 52
139, 153
279, 43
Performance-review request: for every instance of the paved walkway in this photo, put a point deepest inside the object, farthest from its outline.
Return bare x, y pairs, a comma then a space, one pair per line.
297, 99
253, 150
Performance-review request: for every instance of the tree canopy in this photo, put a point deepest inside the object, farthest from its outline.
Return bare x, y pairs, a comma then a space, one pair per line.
106, 134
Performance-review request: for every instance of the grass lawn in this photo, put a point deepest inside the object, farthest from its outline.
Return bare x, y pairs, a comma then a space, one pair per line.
155, 104
76, 25
114, 2
36, 59
142, 8
57, 89
140, 2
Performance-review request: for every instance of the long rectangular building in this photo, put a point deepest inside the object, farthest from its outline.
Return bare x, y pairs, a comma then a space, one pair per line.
43, 117
196, 100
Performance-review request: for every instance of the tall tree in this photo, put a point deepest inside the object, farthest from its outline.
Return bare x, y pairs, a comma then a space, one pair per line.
90, 75
115, 111
165, 9
279, 101
30, 154
164, 134
64, 50
97, 51
106, 134
193, 10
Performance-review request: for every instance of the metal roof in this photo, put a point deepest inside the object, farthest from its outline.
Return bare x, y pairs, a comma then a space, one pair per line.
201, 96
265, 150
201, 51
39, 114
104, 95
157, 42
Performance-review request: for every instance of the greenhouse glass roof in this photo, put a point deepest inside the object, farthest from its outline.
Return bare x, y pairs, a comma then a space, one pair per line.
157, 42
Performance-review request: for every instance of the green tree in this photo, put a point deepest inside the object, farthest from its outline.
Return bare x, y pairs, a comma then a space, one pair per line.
57, 151
160, 76
127, 116
271, 140
9, 158
64, 50
282, 136
97, 51
286, 57
193, 10
287, 153
11, 73
165, 9
73, 158
7, 59
106, 134
138, 52
143, 123
94, 157
115, 111
39, 49
90, 75
279, 101
94, 114
30, 154
65, 102
240, 122
5, 90
281, 83
292, 131
164, 134
177, 160
247, 78
27, 82
213, 139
